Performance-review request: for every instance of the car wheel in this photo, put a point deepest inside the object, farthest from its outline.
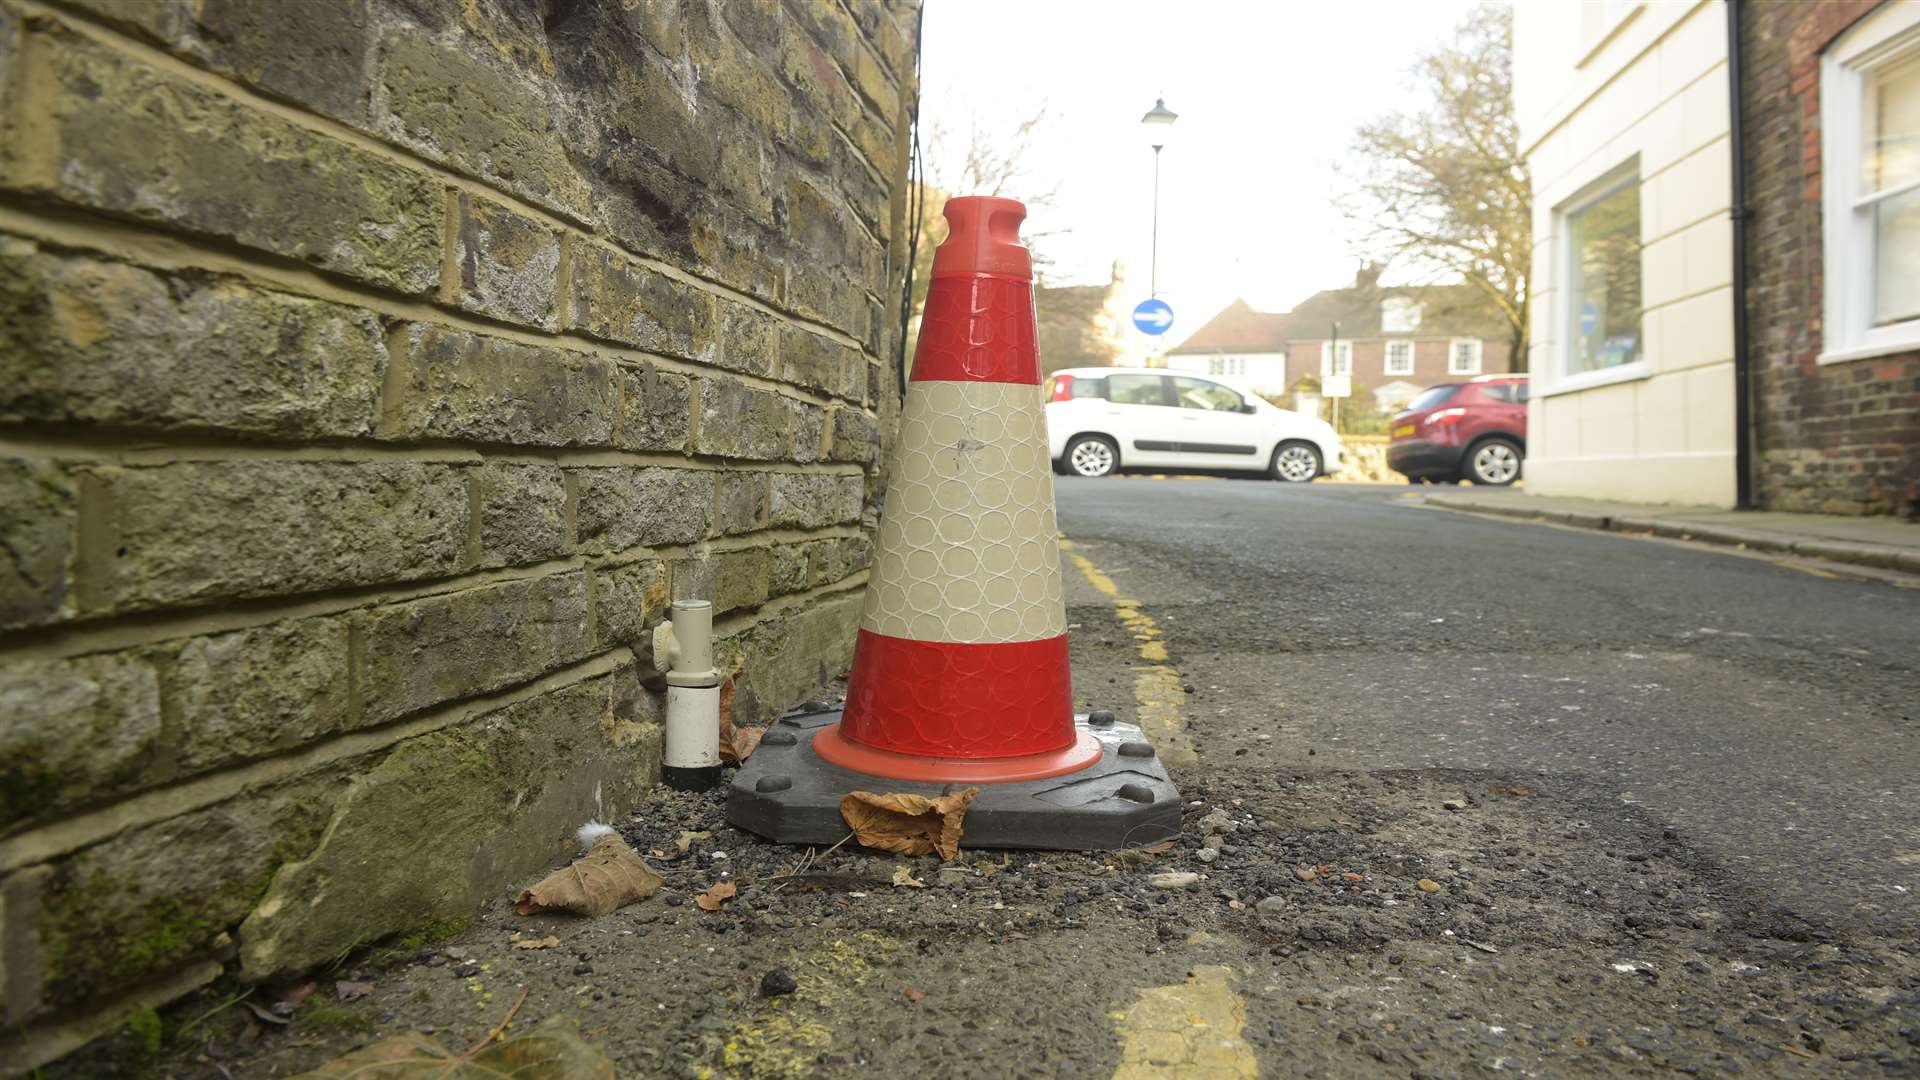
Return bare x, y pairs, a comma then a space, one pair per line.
1495, 462
1092, 455
1295, 462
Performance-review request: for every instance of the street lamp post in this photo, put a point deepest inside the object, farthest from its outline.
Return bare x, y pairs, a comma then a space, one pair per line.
1158, 124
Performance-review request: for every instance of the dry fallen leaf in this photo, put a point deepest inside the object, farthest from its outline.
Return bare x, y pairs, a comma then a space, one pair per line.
548, 942
687, 838
346, 990
1160, 848
608, 877
903, 875
908, 824
552, 1051
736, 743
714, 897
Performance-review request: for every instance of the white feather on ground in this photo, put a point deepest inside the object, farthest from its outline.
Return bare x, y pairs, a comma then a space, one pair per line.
590, 834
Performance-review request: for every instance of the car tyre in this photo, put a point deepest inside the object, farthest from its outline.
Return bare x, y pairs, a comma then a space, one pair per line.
1494, 462
1091, 456
1294, 462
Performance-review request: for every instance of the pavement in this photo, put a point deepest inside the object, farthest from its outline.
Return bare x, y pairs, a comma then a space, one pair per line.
1887, 542
1463, 795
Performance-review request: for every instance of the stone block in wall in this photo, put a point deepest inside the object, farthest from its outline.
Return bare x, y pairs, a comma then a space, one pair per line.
732, 71
204, 531
784, 659
37, 537
747, 338
625, 506
154, 898
741, 502
451, 384
505, 264
435, 805
311, 53
74, 730
829, 561
123, 137
623, 300
789, 572
91, 341
523, 513
425, 652
737, 420
809, 423
815, 500
731, 247
732, 580
827, 295
810, 360
855, 437
253, 692
627, 601
655, 408
450, 98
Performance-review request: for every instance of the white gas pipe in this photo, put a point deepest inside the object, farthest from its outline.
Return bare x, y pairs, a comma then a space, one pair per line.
683, 648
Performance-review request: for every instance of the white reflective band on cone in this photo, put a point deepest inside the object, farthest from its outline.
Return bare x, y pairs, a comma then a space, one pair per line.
693, 727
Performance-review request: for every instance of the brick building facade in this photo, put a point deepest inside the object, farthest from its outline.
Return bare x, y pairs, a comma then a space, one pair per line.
372, 372
1840, 437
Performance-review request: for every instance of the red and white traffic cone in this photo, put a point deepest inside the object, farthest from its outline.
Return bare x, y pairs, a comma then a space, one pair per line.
960, 673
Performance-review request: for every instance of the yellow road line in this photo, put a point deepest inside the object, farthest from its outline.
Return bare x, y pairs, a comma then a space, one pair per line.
1157, 686
1193, 1031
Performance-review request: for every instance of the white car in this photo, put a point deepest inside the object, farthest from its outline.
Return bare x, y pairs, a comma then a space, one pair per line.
1102, 419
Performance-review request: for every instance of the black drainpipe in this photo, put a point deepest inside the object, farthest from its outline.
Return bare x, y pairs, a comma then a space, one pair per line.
1742, 363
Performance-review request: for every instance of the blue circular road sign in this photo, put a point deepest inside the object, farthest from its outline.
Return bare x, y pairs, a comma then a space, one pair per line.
1153, 317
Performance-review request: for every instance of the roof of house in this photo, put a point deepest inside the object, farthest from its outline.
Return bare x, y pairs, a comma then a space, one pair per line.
1238, 328
1445, 311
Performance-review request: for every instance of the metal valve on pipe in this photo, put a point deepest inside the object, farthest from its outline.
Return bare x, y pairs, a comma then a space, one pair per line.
683, 648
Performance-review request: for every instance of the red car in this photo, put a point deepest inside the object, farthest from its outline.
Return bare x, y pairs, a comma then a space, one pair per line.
1474, 430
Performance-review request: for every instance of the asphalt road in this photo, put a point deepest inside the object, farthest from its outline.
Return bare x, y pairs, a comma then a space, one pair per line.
1768, 715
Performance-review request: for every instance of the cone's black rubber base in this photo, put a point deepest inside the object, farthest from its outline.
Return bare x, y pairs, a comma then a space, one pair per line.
1126, 799
698, 778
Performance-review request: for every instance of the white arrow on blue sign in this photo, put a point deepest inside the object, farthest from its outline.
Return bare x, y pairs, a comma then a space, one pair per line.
1153, 317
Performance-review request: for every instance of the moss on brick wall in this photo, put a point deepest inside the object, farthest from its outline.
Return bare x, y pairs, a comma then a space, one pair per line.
365, 403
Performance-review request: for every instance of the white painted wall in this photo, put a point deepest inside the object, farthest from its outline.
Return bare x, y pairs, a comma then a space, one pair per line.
1597, 83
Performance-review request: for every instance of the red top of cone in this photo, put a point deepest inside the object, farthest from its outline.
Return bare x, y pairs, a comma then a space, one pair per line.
983, 237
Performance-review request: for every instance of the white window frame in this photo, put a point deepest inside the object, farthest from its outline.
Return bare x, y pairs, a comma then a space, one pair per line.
1387, 364
1336, 365
1453, 349
1891, 32
1566, 379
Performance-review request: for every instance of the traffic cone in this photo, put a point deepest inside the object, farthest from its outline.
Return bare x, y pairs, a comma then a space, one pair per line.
960, 673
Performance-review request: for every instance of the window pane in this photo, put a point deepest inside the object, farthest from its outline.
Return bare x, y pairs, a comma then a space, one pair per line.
1896, 263
1399, 357
1135, 390
1605, 287
1891, 127
1199, 394
1085, 387
1432, 398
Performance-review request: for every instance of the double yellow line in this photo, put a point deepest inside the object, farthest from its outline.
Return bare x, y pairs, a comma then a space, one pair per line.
1156, 685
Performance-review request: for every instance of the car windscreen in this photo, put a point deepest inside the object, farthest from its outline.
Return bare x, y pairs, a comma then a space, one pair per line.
1432, 398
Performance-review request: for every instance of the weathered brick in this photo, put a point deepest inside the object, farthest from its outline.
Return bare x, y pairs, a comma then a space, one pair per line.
523, 513
451, 384
730, 579
812, 360
195, 532
620, 507
654, 409
827, 296
834, 560
627, 601
90, 341
162, 21
621, 300
506, 264
741, 502
814, 500
253, 42
446, 99
258, 691
789, 573
425, 652
746, 339
122, 137
737, 420
809, 428
790, 657
39, 507
875, 85
75, 730
854, 436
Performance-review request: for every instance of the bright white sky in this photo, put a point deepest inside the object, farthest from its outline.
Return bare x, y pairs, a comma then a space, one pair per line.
1268, 91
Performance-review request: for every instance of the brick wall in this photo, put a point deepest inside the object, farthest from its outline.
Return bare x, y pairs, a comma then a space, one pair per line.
1838, 438
372, 372
1370, 361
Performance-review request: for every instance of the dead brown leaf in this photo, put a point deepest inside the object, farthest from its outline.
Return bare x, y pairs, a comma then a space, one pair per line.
687, 838
608, 877
908, 824
1160, 848
714, 897
548, 942
552, 1051
736, 743
297, 993
346, 990
903, 875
